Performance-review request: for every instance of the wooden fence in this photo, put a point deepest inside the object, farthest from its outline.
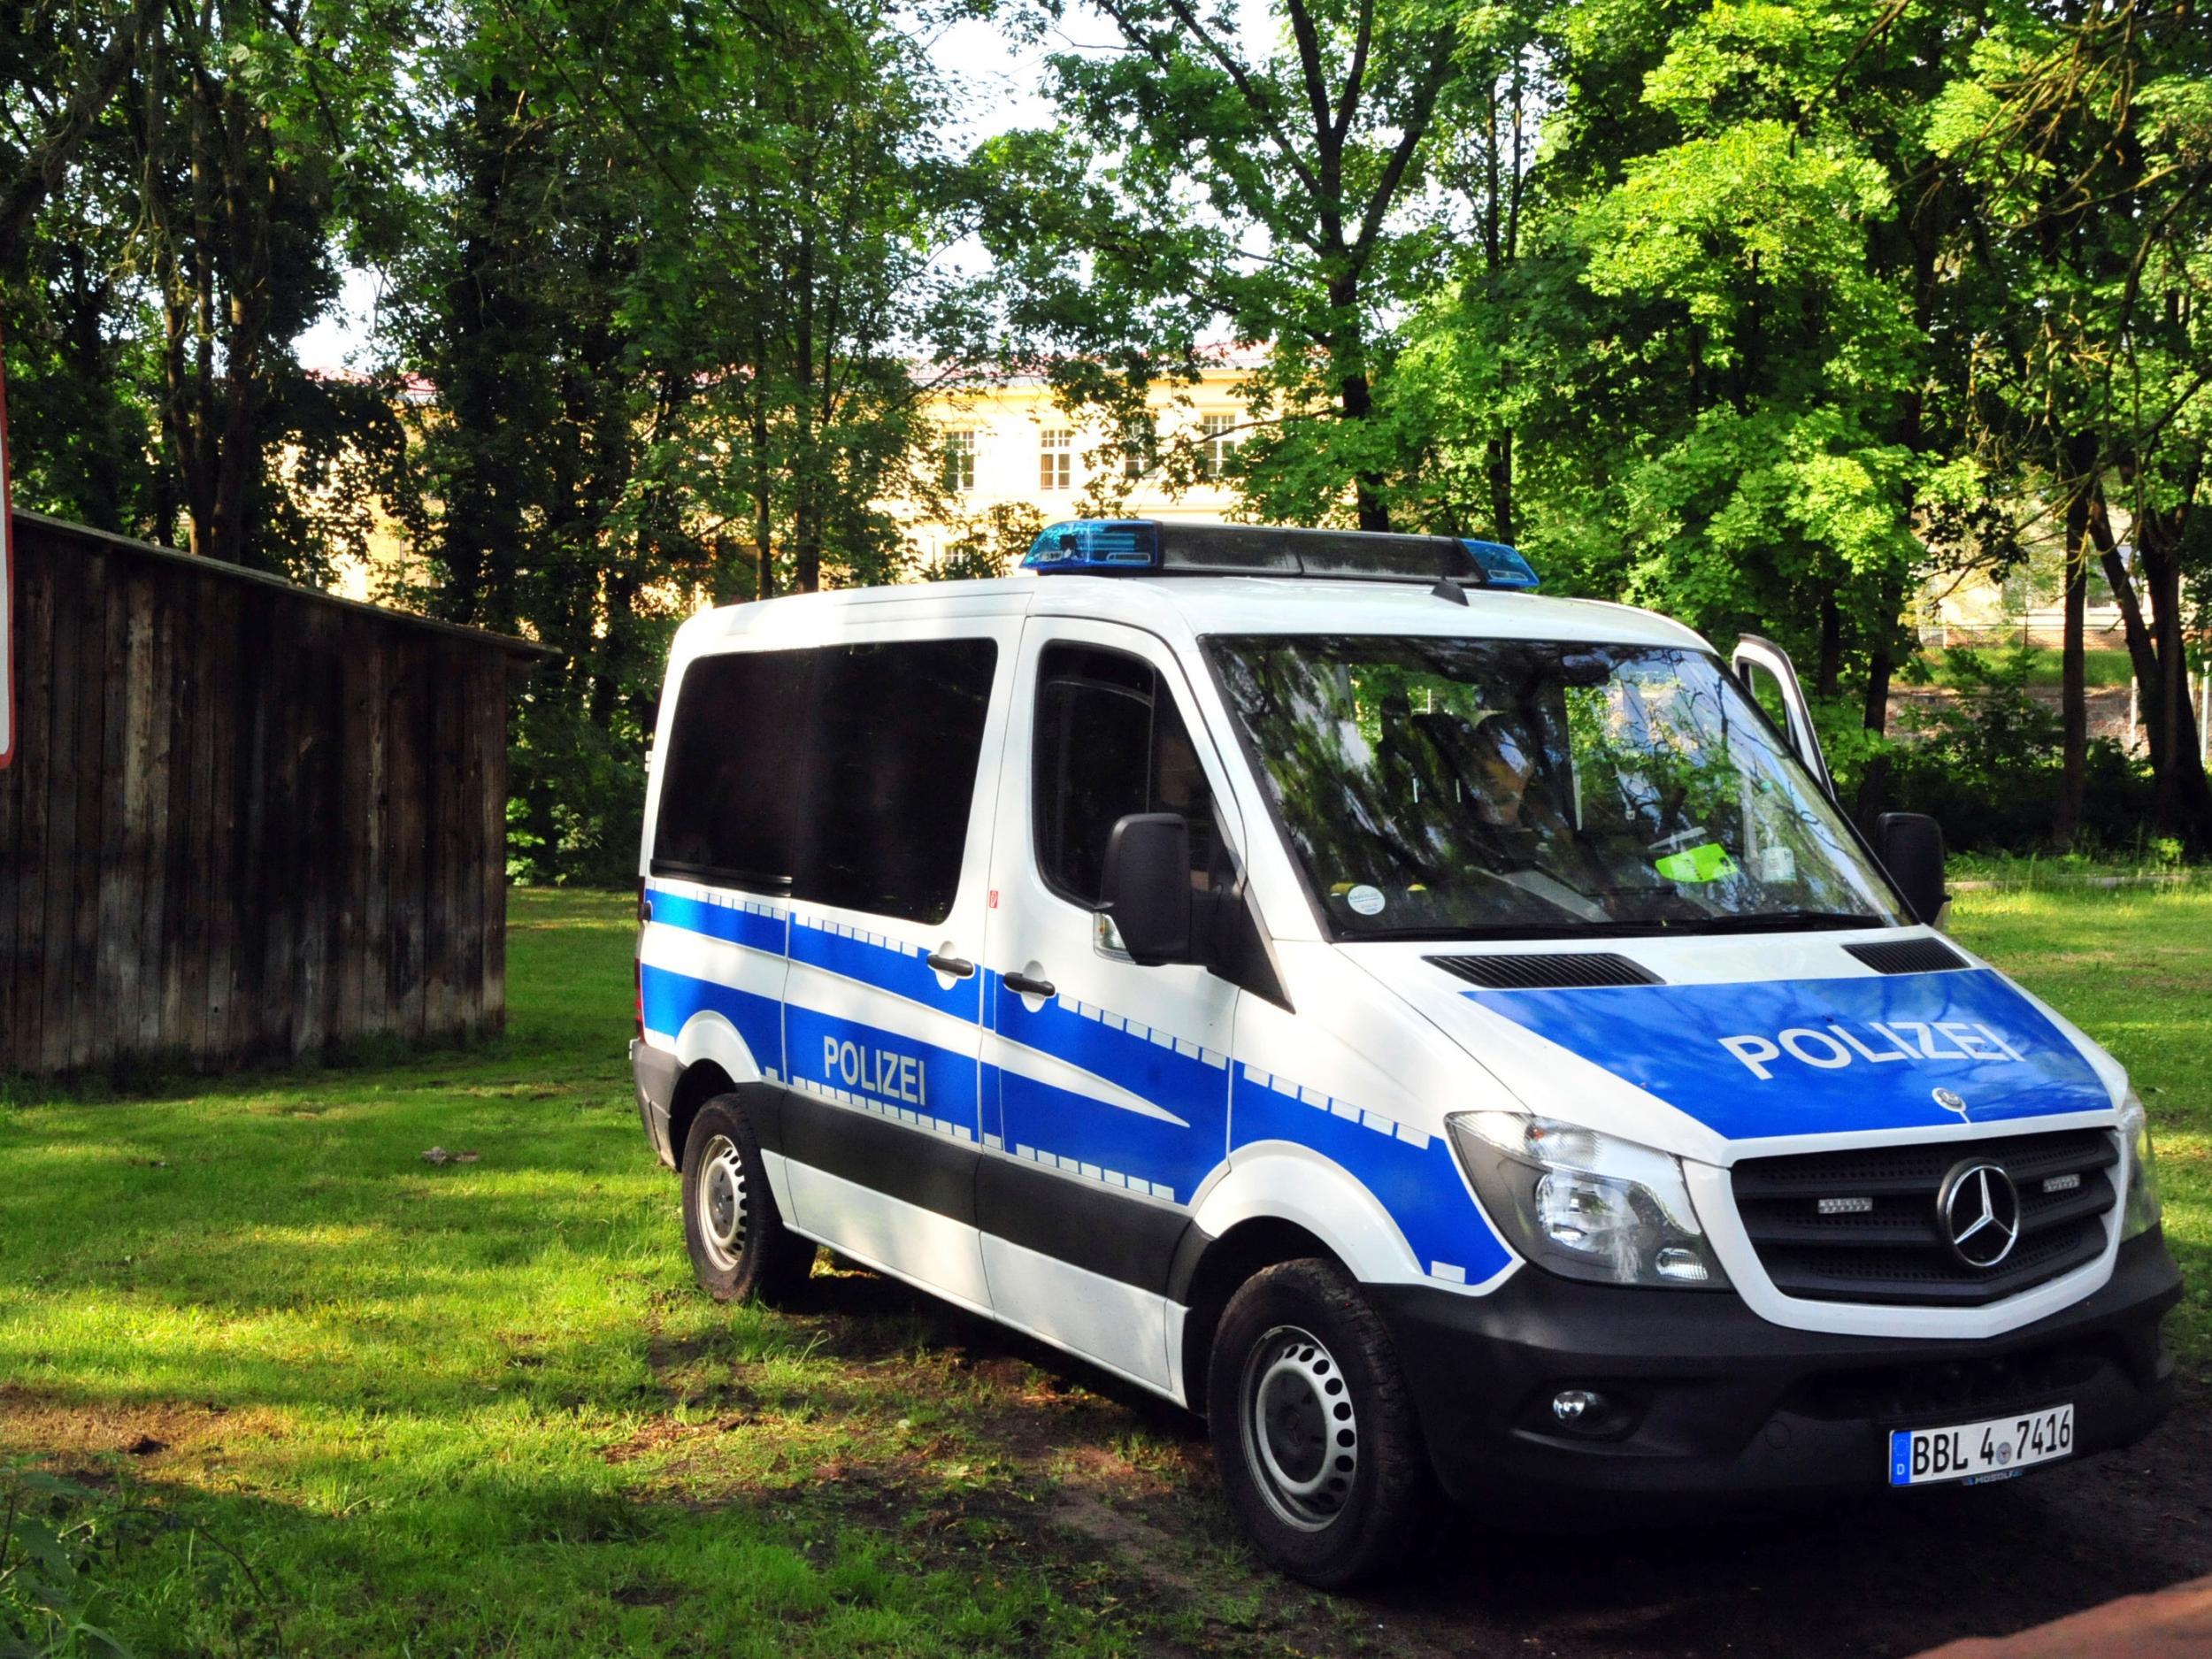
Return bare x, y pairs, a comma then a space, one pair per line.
246, 820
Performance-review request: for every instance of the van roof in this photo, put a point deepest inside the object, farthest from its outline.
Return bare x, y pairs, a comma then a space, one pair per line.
1194, 606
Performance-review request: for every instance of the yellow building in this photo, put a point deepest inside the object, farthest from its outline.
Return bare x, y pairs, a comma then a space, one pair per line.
1013, 455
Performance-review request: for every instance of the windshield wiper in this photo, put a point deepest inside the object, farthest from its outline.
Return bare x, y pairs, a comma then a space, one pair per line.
1777, 922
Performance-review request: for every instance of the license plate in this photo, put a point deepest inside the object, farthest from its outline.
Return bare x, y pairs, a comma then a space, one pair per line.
1995, 1449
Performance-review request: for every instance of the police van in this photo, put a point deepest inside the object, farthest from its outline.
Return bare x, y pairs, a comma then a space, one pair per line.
1450, 1037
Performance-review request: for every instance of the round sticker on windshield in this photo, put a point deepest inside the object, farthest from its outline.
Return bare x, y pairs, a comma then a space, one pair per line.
1365, 900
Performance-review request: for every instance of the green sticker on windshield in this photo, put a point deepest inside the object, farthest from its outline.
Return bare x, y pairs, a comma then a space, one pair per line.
1709, 862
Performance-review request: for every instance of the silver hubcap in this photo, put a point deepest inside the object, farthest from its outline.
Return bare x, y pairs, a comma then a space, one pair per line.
1300, 1438
722, 1201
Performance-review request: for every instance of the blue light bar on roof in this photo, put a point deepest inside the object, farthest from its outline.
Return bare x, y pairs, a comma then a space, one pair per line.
1096, 544
1502, 566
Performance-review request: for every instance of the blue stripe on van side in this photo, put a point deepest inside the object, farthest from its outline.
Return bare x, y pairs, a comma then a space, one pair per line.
1412, 1174
886, 967
1049, 1124
673, 998
749, 928
1181, 1077
886, 1070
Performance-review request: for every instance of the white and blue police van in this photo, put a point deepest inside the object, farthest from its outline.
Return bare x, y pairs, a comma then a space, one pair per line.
1450, 1037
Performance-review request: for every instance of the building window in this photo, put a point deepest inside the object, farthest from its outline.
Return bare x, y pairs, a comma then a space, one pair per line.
959, 468
1140, 448
1056, 460
1218, 442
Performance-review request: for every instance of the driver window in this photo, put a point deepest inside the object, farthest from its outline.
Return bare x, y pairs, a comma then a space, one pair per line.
1110, 741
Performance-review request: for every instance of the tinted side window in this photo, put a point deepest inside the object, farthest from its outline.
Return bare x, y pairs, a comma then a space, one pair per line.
898, 731
728, 783
1110, 741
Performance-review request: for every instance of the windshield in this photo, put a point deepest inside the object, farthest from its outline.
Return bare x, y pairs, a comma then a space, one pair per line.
1512, 788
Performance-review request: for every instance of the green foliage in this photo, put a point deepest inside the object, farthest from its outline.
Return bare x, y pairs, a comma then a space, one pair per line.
1986, 762
176, 235
1757, 313
1276, 193
990, 543
666, 283
53, 1535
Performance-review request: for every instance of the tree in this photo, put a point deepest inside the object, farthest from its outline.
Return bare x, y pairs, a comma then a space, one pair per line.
1275, 193
171, 228
2091, 133
669, 285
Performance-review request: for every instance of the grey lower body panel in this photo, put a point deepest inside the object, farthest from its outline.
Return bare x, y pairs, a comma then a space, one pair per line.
655, 1072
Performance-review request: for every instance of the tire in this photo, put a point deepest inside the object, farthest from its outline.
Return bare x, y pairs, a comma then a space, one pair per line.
741, 1250
1313, 1428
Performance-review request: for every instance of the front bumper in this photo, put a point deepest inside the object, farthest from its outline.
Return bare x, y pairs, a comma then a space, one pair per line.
1711, 1400
655, 1072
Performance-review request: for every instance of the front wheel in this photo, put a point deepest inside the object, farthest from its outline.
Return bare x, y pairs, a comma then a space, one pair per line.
1313, 1428
740, 1248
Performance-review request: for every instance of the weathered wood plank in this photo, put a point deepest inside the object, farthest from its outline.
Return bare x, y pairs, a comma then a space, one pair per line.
373, 873
495, 817
100, 759
443, 850
316, 826
410, 765
260, 720
153, 718
27, 794
186, 942
64, 765
224, 633
349, 837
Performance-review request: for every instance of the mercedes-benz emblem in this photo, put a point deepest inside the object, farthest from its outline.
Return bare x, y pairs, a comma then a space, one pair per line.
1951, 1101
1978, 1209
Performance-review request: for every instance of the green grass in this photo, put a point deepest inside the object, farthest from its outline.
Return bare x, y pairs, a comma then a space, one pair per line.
2133, 966
475, 1408
2102, 665
341, 1401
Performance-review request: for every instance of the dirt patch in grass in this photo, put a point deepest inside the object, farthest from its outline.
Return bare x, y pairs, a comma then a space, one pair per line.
153, 1435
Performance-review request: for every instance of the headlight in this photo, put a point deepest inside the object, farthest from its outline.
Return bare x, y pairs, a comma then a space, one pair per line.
2140, 1213
1586, 1205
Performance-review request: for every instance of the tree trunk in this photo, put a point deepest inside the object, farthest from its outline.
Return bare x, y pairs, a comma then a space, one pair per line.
2073, 696
1829, 669
2158, 648
1355, 393
238, 460
1888, 620
1501, 471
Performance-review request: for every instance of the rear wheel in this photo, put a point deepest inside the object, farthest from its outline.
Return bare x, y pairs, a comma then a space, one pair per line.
740, 1248
1313, 1428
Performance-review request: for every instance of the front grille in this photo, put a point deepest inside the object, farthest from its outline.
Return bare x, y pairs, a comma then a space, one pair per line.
1536, 971
1888, 1243
1958, 1388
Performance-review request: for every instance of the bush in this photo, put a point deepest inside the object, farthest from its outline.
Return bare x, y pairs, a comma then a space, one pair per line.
54, 1534
1987, 764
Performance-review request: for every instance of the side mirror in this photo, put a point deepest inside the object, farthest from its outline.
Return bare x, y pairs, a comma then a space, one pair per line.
1148, 889
1910, 846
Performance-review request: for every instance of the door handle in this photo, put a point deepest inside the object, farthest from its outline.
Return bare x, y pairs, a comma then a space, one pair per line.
1027, 986
959, 967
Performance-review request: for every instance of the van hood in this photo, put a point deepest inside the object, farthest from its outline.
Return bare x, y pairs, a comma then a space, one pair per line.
1717, 1053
